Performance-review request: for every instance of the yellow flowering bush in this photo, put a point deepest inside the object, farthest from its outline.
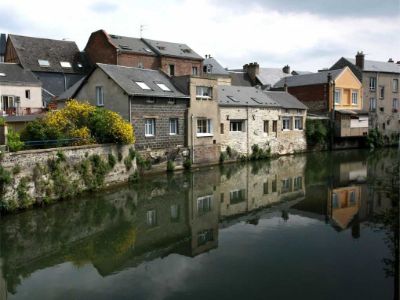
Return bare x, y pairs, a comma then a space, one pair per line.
80, 120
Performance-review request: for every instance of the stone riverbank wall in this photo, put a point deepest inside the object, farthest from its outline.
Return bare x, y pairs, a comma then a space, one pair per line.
37, 177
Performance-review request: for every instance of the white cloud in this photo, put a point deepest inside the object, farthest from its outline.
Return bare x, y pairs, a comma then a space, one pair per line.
303, 40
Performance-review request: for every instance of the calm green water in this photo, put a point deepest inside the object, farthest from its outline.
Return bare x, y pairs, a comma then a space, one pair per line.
317, 226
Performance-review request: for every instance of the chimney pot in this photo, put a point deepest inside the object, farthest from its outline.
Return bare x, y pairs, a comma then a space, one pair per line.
252, 69
360, 60
391, 60
286, 69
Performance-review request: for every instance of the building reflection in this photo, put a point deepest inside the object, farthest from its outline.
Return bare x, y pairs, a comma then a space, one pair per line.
182, 214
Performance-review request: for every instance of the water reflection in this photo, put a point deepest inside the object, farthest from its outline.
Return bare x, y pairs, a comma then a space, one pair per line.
183, 213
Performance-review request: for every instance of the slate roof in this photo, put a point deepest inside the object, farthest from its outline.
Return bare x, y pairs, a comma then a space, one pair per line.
377, 66
15, 74
240, 79
172, 49
71, 92
130, 44
285, 99
308, 79
126, 77
270, 76
211, 64
30, 50
297, 72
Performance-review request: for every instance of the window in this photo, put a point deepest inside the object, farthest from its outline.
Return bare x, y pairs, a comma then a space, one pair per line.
275, 126
383, 126
236, 126
237, 196
195, 71
203, 92
286, 185
140, 65
354, 97
381, 91
173, 126
298, 123
204, 127
372, 83
65, 64
28, 94
335, 202
395, 85
171, 70
337, 96
204, 236
149, 127
265, 188
372, 104
266, 126
352, 198
43, 63
7, 102
274, 185
175, 212
222, 128
99, 96
163, 87
142, 85
285, 123
204, 204
298, 183
151, 217
395, 104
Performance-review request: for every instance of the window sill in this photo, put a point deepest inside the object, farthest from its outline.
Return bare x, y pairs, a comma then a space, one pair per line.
204, 135
149, 136
100, 105
173, 134
285, 129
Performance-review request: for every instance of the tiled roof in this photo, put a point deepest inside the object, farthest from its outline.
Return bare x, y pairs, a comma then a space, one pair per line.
212, 66
172, 49
308, 79
126, 78
30, 50
378, 66
15, 74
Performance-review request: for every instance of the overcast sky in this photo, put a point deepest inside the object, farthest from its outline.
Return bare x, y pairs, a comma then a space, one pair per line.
306, 34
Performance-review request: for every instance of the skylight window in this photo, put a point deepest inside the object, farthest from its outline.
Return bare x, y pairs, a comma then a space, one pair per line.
163, 87
2, 74
232, 98
186, 50
161, 47
43, 63
125, 47
79, 65
148, 50
65, 64
142, 85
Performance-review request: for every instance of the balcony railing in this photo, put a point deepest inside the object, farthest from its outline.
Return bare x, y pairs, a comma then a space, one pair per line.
21, 111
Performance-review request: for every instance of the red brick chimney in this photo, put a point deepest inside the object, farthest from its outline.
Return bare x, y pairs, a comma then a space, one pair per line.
360, 60
286, 69
252, 69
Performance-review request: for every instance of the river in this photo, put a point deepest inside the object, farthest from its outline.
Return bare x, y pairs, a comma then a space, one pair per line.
310, 226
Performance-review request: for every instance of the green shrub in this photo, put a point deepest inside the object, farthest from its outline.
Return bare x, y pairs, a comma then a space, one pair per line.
128, 163
170, 166
16, 169
24, 199
14, 141
229, 151
317, 132
375, 139
111, 160
120, 157
61, 156
187, 164
258, 153
2, 121
222, 157
5, 178
132, 153
134, 177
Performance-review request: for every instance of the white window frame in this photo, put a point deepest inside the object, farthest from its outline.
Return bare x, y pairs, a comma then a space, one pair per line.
284, 120
372, 83
204, 92
209, 128
204, 204
372, 104
395, 85
354, 97
151, 217
163, 87
99, 95
395, 104
195, 71
44, 63
236, 126
381, 92
338, 96
298, 123
173, 126
149, 127
143, 85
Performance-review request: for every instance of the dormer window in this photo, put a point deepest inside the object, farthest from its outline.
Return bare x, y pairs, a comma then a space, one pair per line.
163, 87
142, 85
43, 63
65, 64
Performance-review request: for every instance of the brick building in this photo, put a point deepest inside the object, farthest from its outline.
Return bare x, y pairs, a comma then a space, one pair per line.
146, 98
174, 59
381, 92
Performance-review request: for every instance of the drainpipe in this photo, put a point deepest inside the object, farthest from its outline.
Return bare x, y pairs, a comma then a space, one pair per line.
192, 118
331, 84
247, 130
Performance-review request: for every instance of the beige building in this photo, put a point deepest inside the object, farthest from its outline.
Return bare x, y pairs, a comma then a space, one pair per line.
271, 120
20, 91
381, 92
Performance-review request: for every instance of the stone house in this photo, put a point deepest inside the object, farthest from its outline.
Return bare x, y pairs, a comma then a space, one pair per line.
271, 120
146, 98
334, 93
57, 64
381, 94
203, 117
213, 69
174, 59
